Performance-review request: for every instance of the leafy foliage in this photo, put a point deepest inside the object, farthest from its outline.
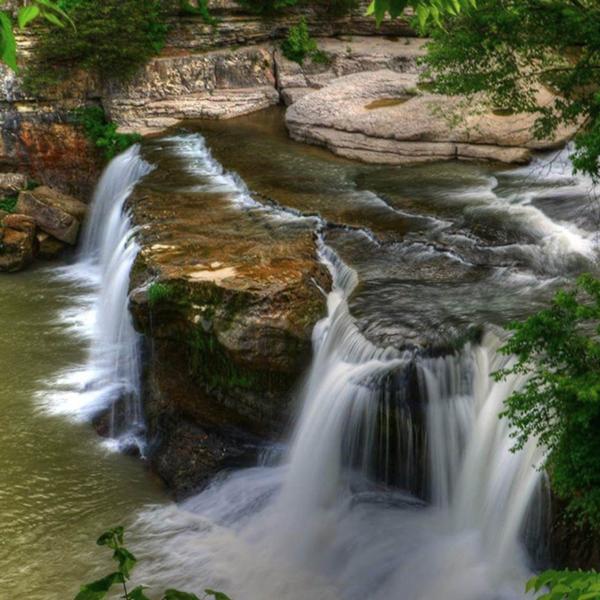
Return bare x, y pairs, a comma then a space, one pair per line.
566, 585
559, 350
103, 133
44, 9
266, 7
112, 39
509, 50
298, 45
126, 562
425, 10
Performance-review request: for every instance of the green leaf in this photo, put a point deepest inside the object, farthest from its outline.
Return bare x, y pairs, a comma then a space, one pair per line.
177, 595
100, 588
138, 594
126, 560
8, 44
216, 595
27, 14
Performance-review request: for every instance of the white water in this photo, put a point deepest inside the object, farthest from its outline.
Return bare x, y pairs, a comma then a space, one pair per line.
318, 527
100, 313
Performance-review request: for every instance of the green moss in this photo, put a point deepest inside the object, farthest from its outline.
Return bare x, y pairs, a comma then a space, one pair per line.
9, 203
159, 292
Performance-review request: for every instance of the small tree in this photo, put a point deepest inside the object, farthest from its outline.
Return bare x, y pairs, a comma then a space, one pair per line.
559, 350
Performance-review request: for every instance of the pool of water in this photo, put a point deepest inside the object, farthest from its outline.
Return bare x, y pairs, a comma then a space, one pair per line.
60, 486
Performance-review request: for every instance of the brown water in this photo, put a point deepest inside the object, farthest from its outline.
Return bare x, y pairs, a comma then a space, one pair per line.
59, 486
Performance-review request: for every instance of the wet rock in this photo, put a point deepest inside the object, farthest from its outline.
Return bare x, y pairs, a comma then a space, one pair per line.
384, 117
18, 243
10, 183
49, 247
54, 213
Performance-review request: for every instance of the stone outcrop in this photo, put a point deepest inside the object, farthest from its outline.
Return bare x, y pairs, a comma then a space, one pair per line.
229, 300
216, 85
44, 223
384, 117
56, 214
345, 56
18, 243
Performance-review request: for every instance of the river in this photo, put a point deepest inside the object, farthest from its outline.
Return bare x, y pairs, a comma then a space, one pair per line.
419, 256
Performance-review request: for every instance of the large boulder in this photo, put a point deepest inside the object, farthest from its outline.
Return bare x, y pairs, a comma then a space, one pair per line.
57, 214
18, 243
385, 117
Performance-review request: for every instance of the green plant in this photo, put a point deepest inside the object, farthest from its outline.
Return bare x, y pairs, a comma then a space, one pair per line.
126, 562
103, 133
158, 292
558, 349
8, 203
266, 7
566, 585
34, 10
111, 39
298, 44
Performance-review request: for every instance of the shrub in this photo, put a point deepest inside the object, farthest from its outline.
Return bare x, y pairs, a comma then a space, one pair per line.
566, 585
103, 133
112, 39
126, 561
266, 7
298, 44
559, 349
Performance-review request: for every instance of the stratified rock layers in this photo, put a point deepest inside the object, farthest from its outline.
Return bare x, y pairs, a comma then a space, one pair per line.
384, 117
228, 300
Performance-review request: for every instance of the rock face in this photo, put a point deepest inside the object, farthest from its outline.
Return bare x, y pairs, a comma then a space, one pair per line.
56, 214
229, 300
384, 117
18, 244
216, 85
345, 56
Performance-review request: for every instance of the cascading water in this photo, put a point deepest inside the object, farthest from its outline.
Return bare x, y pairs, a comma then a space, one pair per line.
111, 377
319, 525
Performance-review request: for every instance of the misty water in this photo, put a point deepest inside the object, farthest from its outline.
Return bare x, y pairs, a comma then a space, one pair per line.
431, 256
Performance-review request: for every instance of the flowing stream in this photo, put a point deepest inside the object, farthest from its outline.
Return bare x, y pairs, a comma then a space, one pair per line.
396, 478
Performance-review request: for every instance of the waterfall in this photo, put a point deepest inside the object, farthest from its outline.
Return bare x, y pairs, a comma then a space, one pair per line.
111, 376
319, 526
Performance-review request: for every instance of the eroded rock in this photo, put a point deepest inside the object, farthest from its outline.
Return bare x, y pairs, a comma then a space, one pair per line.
384, 117
54, 213
18, 243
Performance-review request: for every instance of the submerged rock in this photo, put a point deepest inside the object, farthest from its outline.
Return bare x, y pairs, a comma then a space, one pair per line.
385, 117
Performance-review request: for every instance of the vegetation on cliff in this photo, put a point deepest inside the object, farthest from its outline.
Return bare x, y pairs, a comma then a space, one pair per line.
558, 349
103, 132
111, 39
